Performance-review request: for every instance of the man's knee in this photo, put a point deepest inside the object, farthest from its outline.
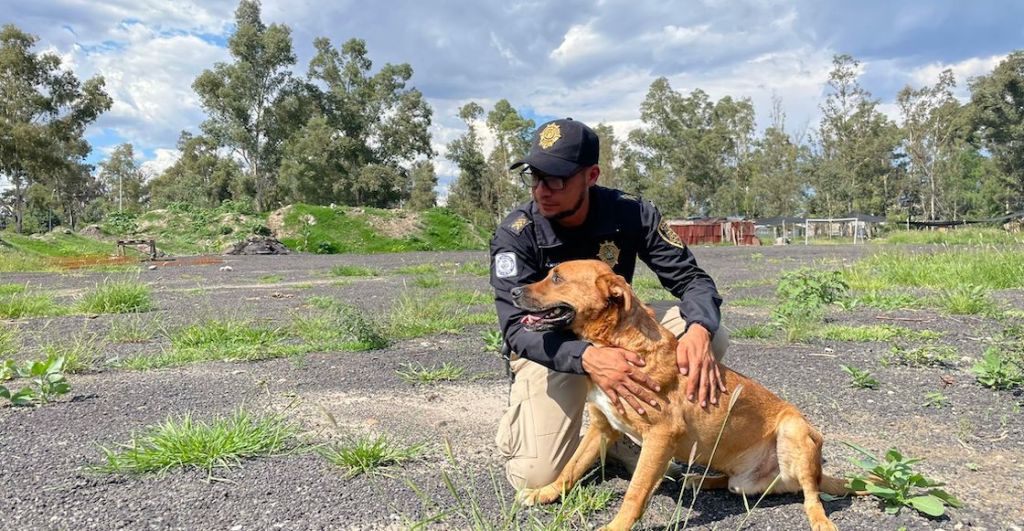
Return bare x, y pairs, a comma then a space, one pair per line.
531, 472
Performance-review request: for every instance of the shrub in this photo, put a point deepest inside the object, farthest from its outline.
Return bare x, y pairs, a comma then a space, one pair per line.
811, 287
893, 480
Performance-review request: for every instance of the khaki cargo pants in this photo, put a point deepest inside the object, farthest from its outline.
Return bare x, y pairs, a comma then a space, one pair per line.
542, 426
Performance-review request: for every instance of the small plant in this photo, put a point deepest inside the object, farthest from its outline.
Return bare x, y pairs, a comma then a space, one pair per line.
418, 269
859, 378
893, 480
46, 381
8, 341
581, 502
428, 281
492, 340
18, 305
270, 279
924, 356
750, 302
998, 370
796, 320
352, 271
756, 331
80, 352
811, 287
446, 372
370, 455
479, 269
117, 297
966, 300
186, 443
936, 400
134, 330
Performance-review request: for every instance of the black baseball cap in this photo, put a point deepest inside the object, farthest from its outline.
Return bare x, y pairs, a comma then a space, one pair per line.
561, 147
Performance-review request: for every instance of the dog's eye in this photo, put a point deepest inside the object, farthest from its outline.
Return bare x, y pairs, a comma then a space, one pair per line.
556, 279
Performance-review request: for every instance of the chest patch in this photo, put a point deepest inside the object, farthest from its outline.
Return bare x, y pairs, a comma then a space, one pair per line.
608, 252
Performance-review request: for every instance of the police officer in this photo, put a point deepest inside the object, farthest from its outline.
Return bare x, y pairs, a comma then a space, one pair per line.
569, 218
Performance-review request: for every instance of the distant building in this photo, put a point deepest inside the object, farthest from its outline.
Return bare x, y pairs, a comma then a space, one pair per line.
715, 231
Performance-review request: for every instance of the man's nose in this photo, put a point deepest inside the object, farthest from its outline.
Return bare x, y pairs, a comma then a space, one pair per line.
517, 292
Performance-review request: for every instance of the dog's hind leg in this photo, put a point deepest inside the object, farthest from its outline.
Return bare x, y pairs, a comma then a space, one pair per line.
799, 453
655, 453
598, 434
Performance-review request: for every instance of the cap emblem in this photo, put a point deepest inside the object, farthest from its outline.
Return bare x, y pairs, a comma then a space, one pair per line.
549, 136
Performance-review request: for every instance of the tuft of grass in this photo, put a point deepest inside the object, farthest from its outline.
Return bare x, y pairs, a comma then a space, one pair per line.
341, 328
580, 502
873, 333
935, 399
479, 269
859, 378
751, 302
428, 281
756, 331
216, 340
966, 300
421, 314
132, 330
116, 297
19, 305
887, 301
186, 443
923, 356
9, 344
353, 271
80, 353
649, 288
12, 289
992, 268
370, 455
418, 269
270, 279
417, 373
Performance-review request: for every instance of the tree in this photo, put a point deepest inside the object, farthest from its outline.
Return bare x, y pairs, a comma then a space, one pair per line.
44, 111
606, 157
123, 180
199, 177
250, 102
424, 180
513, 134
998, 106
466, 195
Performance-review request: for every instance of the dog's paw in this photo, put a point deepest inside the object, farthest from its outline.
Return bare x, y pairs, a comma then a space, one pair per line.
531, 497
824, 525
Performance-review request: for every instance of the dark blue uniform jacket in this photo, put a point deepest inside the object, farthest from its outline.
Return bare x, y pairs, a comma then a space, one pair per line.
618, 229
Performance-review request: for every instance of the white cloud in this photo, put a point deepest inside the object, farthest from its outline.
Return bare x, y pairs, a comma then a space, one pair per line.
163, 159
963, 70
580, 41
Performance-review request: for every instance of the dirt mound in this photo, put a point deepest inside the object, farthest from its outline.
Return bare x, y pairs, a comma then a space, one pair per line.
92, 231
275, 221
258, 245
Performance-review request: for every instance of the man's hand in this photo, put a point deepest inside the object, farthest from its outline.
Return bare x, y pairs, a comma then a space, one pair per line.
695, 360
614, 371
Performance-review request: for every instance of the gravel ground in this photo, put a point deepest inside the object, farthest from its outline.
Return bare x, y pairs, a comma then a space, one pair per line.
976, 445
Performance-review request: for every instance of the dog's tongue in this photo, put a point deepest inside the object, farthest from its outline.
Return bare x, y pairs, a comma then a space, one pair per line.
530, 319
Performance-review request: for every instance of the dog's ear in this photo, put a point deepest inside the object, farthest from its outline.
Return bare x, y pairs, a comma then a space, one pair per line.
617, 290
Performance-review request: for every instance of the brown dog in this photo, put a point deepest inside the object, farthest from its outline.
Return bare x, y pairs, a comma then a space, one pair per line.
764, 436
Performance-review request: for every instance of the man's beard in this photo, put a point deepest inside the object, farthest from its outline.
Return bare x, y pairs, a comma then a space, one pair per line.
567, 213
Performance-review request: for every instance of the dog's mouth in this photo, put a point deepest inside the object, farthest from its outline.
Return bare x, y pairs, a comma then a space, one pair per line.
557, 316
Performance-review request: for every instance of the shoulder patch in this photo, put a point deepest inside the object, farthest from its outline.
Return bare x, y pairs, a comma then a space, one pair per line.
518, 224
669, 235
629, 197
505, 265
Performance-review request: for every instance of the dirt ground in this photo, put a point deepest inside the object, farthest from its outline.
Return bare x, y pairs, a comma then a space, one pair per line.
976, 445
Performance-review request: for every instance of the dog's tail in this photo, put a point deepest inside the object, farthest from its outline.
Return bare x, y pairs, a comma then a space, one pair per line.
837, 487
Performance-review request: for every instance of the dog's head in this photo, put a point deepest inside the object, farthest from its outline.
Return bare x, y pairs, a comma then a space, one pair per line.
573, 295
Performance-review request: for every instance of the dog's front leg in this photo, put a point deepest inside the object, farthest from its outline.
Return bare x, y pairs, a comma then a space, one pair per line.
655, 453
598, 433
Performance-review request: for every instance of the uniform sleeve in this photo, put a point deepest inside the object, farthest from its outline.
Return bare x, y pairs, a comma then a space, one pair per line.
677, 269
514, 263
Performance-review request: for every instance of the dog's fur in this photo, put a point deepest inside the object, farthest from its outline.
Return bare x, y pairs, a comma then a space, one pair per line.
763, 437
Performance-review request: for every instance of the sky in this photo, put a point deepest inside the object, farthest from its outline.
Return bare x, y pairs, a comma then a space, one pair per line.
590, 60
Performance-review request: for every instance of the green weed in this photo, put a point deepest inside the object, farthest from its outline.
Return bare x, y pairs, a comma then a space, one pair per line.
270, 279
992, 268
12, 289
132, 330
810, 287
923, 356
859, 378
370, 455
750, 302
873, 333
353, 271
966, 300
428, 281
935, 399
418, 269
417, 373
893, 480
999, 370
492, 340
19, 305
756, 331
420, 314
116, 297
46, 381
80, 353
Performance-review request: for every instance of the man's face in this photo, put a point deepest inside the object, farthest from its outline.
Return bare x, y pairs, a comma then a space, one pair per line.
557, 204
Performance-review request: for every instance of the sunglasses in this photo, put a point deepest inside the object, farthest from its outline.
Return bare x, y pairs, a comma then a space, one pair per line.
533, 178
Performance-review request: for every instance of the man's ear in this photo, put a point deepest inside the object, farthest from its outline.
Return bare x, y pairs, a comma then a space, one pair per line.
617, 290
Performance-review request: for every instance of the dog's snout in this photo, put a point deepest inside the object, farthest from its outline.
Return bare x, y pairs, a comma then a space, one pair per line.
517, 292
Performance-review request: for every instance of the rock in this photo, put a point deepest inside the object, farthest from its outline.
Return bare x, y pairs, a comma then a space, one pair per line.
152, 267
91, 231
226, 268
258, 245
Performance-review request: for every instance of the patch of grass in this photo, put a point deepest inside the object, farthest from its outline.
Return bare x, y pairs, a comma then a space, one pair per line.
580, 502
492, 340
755, 331
132, 330
750, 302
999, 369
935, 399
991, 268
466, 297
116, 297
418, 269
753, 283
893, 480
353, 271
958, 236
797, 322
370, 455
217, 340
649, 288
80, 352
923, 356
859, 378
19, 305
56, 245
321, 302
12, 289
186, 443
428, 281
887, 301
270, 279
418, 374
9, 344
420, 314
873, 333
966, 300
475, 268
341, 328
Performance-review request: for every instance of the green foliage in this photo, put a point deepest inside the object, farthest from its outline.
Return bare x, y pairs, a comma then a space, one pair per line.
992, 268
797, 321
959, 236
117, 297
811, 287
873, 333
8, 341
966, 300
420, 314
999, 369
216, 340
428, 281
935, 399
270, 279
352, 271
894, 480
370, 455
923, 356
187, 443
133, 330
19, 305
492, 340
417, 373
12, 289
755, 331
46, 381
859, 378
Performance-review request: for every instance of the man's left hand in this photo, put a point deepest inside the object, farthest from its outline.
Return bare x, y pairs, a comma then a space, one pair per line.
696, 361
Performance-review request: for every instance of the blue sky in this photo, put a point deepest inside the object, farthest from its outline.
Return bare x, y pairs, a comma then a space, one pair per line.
592, 60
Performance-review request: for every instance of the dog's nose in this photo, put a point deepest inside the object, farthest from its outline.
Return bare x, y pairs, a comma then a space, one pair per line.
517, 292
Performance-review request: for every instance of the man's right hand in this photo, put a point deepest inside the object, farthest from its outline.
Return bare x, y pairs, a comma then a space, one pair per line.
614, 371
